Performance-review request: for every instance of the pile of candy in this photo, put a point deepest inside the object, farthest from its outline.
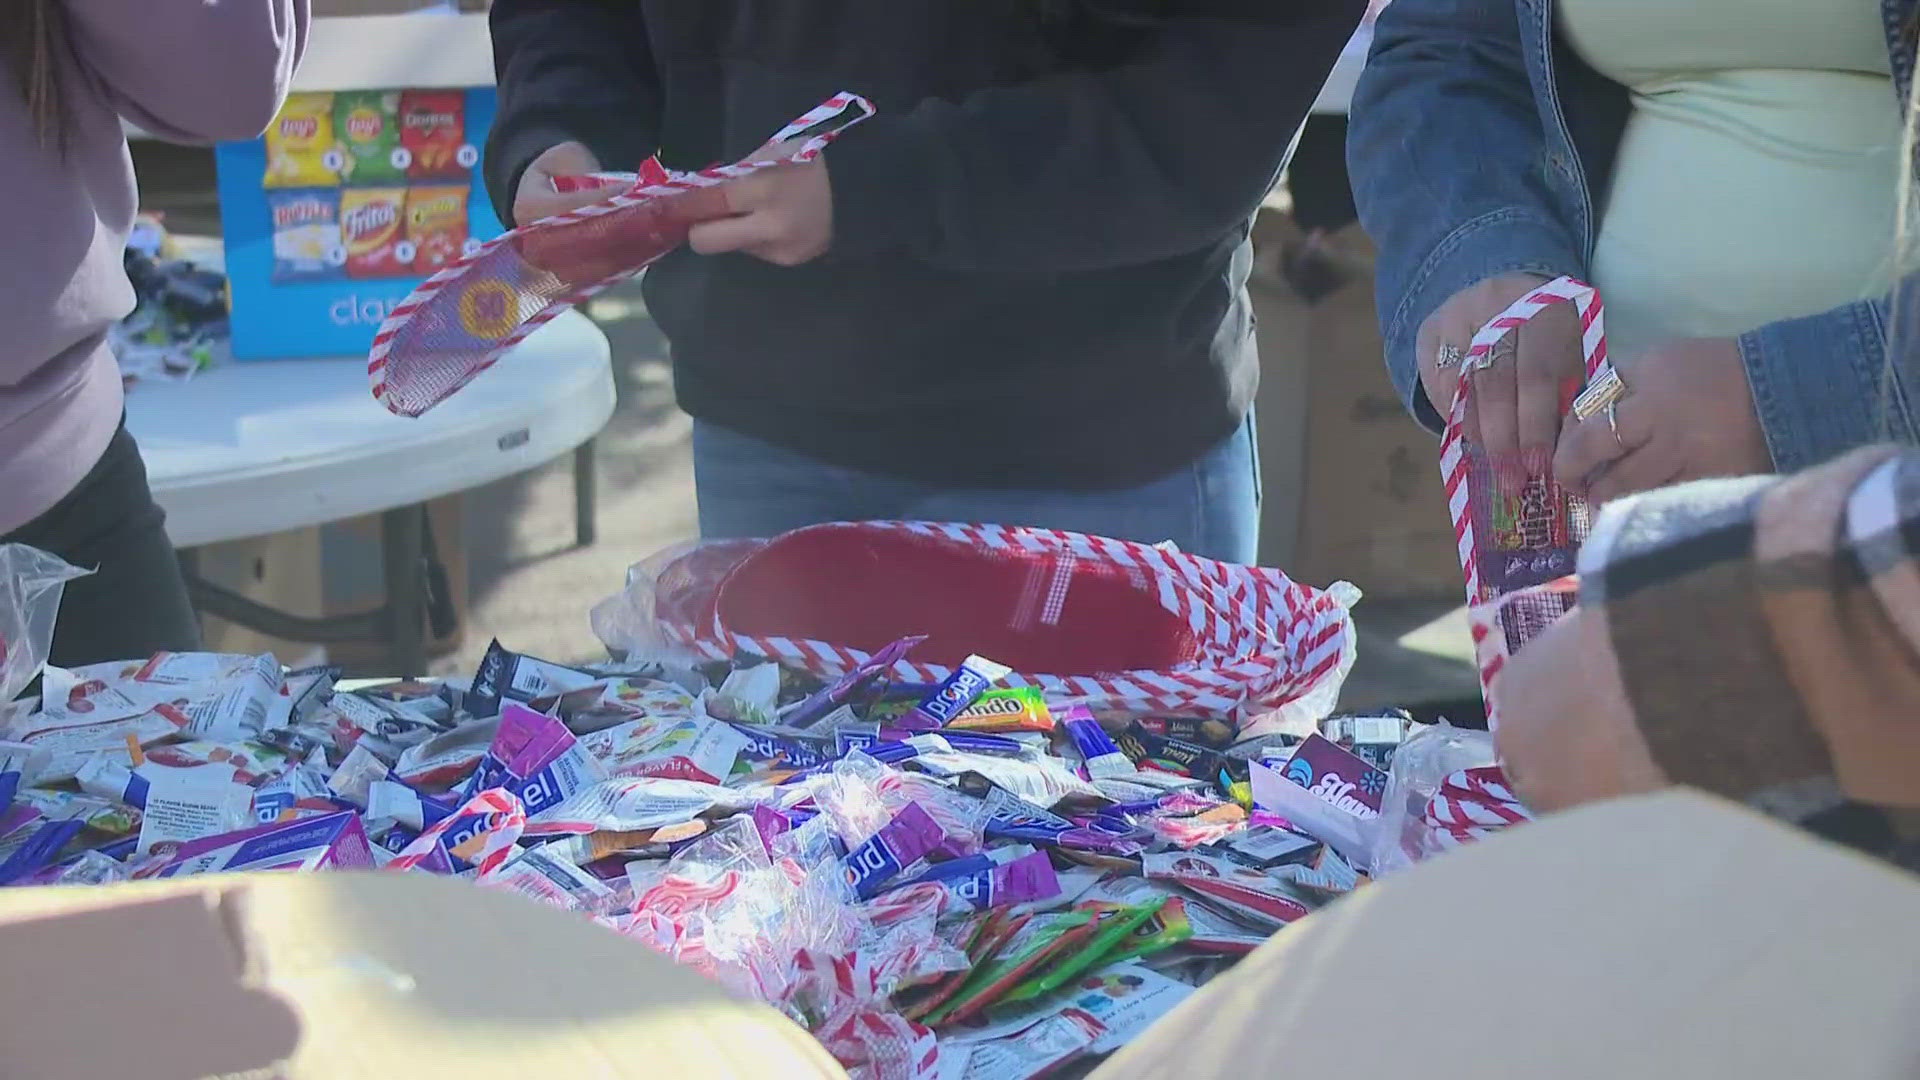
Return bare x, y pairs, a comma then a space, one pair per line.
936, 880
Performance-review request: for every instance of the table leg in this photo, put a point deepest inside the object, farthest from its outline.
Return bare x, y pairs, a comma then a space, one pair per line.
402, 536
585, 494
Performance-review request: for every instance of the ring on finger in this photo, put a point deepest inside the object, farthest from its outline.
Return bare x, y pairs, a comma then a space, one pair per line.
1606, 389
1449, 357
1495, 353
1613, 425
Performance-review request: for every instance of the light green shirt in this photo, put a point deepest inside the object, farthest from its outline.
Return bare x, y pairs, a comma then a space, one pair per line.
1756, 179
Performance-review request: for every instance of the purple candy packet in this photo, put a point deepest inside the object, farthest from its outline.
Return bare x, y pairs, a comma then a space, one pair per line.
833, 695
899, 844
954, 695
525, 742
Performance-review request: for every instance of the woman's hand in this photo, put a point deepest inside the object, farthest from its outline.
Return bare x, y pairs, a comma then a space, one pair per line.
1567, 734
1513, 412
1688, 415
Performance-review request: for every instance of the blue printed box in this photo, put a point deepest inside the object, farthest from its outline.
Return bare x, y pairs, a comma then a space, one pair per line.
350, 200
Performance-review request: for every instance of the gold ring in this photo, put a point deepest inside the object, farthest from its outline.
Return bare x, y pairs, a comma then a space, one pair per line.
1604, 390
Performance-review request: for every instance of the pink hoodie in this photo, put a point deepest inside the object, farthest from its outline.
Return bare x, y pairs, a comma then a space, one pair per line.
185, 70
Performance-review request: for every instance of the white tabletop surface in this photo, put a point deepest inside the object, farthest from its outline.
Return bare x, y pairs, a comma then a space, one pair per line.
260, 447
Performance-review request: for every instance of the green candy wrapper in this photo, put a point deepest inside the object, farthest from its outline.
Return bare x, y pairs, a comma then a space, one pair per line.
1038, 940
1113, 926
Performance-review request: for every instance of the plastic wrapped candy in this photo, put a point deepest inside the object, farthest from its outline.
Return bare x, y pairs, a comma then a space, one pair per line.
30, 585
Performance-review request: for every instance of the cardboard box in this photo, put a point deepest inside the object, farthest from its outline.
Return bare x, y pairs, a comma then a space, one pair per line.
1353, 486
1668, 937
1378, 511
375, 976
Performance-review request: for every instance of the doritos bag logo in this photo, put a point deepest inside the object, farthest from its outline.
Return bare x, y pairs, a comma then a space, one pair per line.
370, 220
426, 123
364, 125
299, 127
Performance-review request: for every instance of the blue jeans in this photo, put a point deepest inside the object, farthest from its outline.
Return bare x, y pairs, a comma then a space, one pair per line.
749, 488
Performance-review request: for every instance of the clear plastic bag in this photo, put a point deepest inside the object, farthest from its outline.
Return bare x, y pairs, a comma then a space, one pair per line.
30, 585
1422, 764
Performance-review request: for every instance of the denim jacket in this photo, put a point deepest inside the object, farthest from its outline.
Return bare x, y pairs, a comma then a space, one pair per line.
1480, 144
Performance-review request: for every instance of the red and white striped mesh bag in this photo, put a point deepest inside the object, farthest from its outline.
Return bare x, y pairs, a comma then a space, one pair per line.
1123, 628
460, 320
1516, 550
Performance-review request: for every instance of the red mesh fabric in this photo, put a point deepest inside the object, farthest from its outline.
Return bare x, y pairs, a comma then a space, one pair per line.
1524, 614
864, 588
524, 278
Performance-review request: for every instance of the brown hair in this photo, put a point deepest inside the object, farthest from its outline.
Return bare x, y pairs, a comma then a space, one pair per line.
35, 32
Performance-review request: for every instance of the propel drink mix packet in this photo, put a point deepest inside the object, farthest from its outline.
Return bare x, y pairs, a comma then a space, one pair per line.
367, 124
899, 844
300, 144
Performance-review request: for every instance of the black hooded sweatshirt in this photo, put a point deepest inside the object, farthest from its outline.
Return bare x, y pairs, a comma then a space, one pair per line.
1038, 273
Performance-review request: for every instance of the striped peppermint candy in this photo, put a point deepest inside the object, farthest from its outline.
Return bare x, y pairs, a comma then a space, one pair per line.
1266, 641
459, 322
504, 818
1455, 464
1486, 784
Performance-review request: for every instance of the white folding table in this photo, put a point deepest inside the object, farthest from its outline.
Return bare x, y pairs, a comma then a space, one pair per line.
255, 448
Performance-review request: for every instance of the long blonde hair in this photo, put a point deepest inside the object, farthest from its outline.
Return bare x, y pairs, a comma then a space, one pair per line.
35, 32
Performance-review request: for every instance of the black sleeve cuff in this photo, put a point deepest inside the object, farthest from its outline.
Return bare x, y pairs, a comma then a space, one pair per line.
882, 189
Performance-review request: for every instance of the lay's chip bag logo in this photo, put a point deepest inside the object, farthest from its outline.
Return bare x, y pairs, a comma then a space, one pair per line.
365, 124
299, 127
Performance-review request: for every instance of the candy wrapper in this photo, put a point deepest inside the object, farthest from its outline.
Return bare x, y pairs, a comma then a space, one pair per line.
1122, 628
1410, 829
460, 320
1249, 894
1525, 531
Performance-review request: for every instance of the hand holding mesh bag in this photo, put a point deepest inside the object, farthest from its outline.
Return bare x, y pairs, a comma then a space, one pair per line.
1516, 549
459, 321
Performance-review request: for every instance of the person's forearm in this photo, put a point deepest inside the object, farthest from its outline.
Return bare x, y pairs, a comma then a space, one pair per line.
568, 71
1086, 170
189, 70
1445, 149
1824, 384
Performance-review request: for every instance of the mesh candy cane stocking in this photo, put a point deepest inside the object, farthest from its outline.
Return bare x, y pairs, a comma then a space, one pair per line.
460, 320
1511, 545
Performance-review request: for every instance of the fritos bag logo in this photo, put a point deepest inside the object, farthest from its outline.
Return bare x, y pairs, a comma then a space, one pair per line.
370, 219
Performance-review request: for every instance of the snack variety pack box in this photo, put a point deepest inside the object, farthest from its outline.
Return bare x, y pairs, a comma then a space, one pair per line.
348, 201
